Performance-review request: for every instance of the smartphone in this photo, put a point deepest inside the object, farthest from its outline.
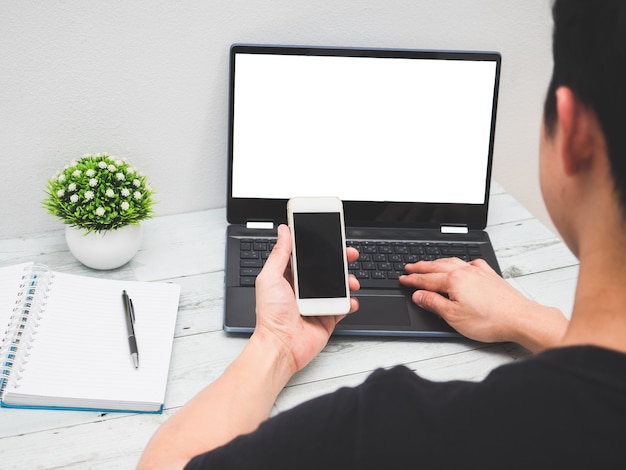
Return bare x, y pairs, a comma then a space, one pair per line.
318, 257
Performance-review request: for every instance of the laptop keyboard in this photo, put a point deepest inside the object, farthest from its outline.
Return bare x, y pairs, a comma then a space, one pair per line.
252, 256
380, 262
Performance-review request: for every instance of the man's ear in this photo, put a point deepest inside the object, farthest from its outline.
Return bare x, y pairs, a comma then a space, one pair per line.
578, 126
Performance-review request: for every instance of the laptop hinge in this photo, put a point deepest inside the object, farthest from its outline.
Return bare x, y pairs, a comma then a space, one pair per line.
454, 229
260, 225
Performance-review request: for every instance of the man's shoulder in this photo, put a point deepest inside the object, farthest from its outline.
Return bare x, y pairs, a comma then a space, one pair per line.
527, 384
587, 364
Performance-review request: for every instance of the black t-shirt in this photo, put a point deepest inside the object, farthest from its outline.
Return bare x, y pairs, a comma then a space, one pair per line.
564, 408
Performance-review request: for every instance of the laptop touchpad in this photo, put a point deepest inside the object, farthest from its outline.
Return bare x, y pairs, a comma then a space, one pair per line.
376, 310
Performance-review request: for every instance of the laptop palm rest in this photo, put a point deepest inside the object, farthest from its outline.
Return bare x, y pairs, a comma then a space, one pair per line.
381, 313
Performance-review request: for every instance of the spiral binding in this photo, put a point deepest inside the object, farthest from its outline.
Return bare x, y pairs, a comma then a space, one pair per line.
20, 334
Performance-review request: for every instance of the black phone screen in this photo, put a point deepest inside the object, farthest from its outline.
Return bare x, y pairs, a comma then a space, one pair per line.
319, 251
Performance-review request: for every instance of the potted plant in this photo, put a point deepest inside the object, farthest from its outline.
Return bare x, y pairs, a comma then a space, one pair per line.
102, 199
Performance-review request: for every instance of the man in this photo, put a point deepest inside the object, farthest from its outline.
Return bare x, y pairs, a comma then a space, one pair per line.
563, 408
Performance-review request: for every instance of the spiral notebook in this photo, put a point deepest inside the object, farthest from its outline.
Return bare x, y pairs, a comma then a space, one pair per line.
64, 342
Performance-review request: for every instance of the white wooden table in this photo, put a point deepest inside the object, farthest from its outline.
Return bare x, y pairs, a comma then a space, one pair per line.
189, 249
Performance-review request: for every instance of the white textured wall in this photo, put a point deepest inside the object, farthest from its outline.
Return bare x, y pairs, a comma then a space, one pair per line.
147, 79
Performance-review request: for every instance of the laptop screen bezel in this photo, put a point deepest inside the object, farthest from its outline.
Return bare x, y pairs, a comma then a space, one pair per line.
360, 213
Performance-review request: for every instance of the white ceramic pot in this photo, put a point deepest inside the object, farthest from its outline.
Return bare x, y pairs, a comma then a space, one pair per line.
104, 250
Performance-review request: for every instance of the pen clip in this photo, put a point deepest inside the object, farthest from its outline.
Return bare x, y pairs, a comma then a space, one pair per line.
128, 305
132, 310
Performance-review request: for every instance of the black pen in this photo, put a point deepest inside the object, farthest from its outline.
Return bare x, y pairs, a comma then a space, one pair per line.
130, 319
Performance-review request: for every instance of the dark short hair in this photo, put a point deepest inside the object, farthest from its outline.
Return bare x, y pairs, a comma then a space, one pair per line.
589, 51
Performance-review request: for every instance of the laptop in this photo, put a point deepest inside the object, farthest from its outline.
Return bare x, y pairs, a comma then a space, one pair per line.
403, 137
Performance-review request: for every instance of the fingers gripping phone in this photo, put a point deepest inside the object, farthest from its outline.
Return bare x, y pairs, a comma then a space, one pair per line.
318, 257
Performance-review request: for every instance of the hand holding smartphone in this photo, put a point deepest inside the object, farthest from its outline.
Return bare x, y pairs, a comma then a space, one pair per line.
318, 257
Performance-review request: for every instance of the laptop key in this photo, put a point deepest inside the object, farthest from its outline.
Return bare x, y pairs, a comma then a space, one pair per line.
247, 281
416, 250
249, 272
473, 251
251, 263
260, 246
453, 251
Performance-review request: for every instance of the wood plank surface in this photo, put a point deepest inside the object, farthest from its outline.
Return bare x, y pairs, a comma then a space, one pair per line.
189, 249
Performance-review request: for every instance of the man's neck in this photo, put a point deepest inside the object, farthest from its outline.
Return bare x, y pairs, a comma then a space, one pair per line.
599, 315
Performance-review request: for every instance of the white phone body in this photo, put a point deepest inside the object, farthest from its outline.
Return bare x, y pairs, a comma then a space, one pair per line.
318, 256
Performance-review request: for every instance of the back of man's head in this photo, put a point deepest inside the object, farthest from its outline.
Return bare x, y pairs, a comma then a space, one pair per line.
589, 49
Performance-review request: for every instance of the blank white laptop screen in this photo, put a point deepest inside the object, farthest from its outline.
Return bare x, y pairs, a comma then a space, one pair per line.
362, 128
